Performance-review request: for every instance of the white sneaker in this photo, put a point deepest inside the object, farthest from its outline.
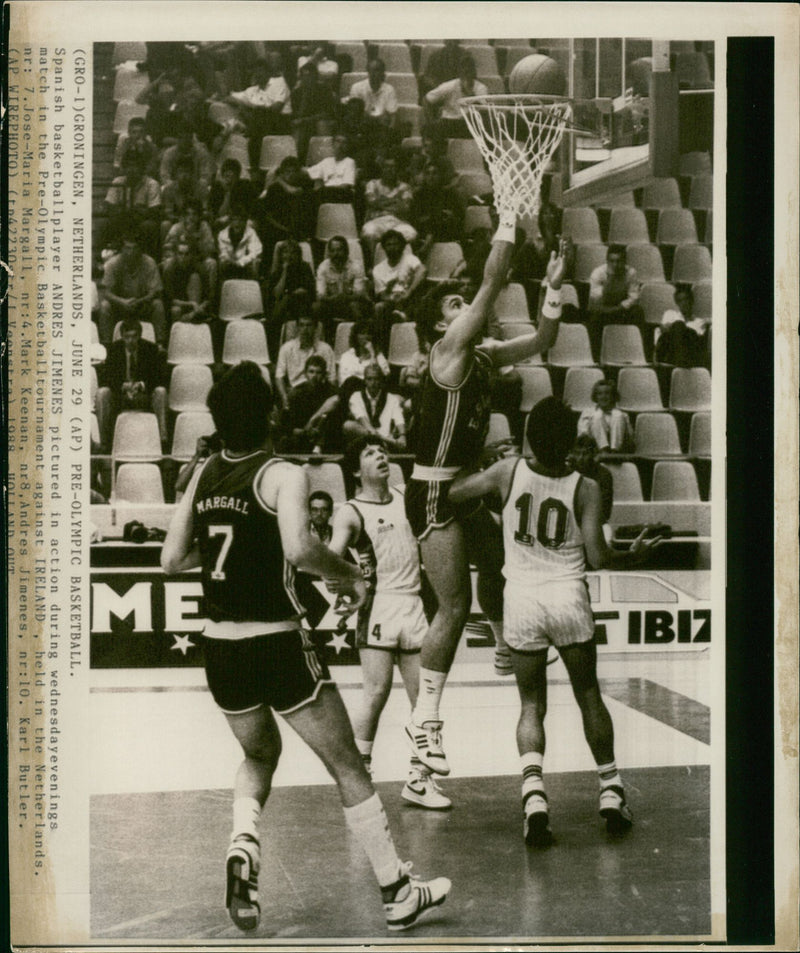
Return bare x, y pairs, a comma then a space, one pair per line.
420, 896
426, 743
241, 890
422, 790
614, 809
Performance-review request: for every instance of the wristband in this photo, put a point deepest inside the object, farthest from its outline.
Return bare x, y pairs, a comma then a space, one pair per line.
551, 307
507, 229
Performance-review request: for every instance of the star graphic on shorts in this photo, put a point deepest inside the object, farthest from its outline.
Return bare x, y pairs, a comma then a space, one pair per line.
182, 643
338, 641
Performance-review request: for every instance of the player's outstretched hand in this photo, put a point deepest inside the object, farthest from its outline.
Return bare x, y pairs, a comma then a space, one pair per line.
557, 264
352, 595
642, 545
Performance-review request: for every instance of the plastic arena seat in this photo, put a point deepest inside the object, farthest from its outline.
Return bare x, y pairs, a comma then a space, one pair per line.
499, 429
94, 431
578, 385
647, 262
443, 259
485, 58
702, 291
661, 193
126, 110
139, 483
236, 147
245, 340
674, 480
581, 225
656, 435
336, 218
627, 482
405, 86
148, 332
511, 304
222, 113
190, 344
701, 193
403, 343
569, 296
621, 345
628, 226
128, 84
274, 149
465, 155
424, 52
189, 427
136, 437
493, 83
319, 148
656, 298
700, 434
571, 348
189, 386
356, 51
692, 263
587, 258
472, 184
536, 385
356, 251
690, 389
676, 226
341, 339
396, 57
692, 69
476, 216
240, 298
638, 390
326, 476
694, 163
126, 52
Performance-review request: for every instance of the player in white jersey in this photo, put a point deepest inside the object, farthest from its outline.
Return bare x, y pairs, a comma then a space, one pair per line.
551, 523
392, 623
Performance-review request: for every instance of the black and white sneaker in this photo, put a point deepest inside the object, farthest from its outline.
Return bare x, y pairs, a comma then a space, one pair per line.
426, 743
536, 826
422, 790
241, 890
412, 898
614, 810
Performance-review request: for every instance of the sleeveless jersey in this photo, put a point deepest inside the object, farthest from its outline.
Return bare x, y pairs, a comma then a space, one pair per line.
452, 422
386, 546
245, 575
542, 539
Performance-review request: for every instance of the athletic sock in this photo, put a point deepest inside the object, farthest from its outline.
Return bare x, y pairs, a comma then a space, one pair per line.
532, 782
365, 750
369, 826
431, 685
609, 775
246, 812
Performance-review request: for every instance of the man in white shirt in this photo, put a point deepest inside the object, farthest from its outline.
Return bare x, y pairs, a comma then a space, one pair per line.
378, 96
291, 367
441, 103
397, 277
265, 106
239, 249
335, 176
376, 411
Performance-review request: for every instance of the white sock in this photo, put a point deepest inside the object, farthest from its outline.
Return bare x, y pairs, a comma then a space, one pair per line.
532, 783
246, 812
364, 748
431, 685
609, 775
369, 826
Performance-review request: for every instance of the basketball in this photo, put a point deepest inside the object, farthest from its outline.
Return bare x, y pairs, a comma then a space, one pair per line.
538, 74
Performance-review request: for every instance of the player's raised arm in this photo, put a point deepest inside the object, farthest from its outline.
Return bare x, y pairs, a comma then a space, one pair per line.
588, 510
180, 551
496, 479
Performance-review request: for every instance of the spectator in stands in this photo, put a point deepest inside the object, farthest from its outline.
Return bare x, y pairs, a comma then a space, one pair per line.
197, 234
290, 276
159, 97
292, 357
136, 140
132, 378
310, 422
683, 340
396, 280
188, 148
388, 203
287, 208
182, 191
375, 410
131, 288
321, 55
436, 212
265, 107
433, 149
228, 190
239, 249
186, 295
364, 350
614, 290
441, 104
334, 176
340, 285
314, 108
192, 111
380, 101
583, 458
443, 64
134, 199
320, 511
609, 426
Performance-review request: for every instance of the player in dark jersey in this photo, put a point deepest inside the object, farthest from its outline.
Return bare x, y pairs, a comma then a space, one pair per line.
452, 422
244, 522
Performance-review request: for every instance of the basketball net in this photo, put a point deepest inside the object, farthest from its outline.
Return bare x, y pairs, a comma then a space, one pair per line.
517, 136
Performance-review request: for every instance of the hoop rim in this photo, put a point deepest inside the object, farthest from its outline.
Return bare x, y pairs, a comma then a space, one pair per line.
508, 102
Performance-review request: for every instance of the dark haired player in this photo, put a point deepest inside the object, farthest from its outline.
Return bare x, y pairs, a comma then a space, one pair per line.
552, 520
244, 522
452, 422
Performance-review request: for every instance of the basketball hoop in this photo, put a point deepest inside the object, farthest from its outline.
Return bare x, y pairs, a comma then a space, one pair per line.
517, 135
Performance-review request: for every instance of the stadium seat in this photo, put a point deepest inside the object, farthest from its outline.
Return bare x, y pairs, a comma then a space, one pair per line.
690, 389
674, 480
190, 344
493, 83
128, 84
708, 234
569, 296
694, 163
587, 258
357, 53
336, 218
126, 110
701, 193
511, 304
139, 483
647, 261
424, 52
676, 226
443, 259
94, 333
396, 57
638, 390
702, 291
405, 86
235, 147
692, 70
319, 148
403, 343
350, 79
627, 482
700, 434
536, 385
341, 339
148, 332
477, 216
485, 59
661, 193
581, 225
692, 263
136, 437
628, 226
188, 428
499, 429
578, 385
92, 386
222, 113
465, 155
94, 431
356, 251
656, 298
129, 52
189, 386
240, 298
621, 345
245, 340
656, 435
274, 149
624, 199
472, 184
326, 476
571, 348
409, 118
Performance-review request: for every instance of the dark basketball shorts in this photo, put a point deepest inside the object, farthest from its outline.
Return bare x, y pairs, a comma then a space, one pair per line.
427, 506
280, 670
